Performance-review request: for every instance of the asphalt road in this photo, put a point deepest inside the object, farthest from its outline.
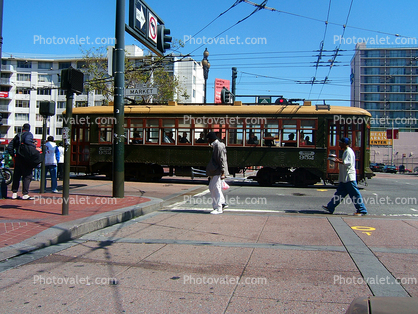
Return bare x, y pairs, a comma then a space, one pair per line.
385, 195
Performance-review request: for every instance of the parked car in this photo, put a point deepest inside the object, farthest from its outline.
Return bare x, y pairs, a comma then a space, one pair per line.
377, 167
390, 169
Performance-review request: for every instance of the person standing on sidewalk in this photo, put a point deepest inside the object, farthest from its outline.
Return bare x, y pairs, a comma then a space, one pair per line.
216, 170
52, 155
347, 179
22, 169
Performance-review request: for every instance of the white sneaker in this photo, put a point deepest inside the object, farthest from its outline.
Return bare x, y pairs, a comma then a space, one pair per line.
55, 191
27, 197
14, 196
216, 211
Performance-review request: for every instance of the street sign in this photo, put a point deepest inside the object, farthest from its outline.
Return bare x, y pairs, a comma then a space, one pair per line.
141, 91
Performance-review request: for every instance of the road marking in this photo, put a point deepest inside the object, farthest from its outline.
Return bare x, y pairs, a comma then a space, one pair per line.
415, 210
322, 190
364, 229
208, 209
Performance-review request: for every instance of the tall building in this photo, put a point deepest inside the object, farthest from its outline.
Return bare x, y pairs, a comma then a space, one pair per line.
27, 80
384, 81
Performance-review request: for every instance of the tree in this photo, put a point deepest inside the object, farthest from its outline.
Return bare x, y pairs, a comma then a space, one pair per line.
150, 70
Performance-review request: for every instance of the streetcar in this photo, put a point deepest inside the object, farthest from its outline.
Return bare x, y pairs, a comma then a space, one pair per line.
285, 143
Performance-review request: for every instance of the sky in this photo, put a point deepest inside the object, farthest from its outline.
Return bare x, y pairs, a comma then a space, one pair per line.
274, 50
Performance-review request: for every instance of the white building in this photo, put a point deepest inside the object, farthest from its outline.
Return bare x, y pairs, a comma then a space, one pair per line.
27, 80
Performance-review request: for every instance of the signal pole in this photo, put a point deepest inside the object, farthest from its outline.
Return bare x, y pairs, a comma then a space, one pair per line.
118, 108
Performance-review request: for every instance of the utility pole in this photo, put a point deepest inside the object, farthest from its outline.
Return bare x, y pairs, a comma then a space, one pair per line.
118, 108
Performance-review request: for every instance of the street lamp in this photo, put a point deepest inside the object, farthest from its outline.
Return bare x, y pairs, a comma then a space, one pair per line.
206, 66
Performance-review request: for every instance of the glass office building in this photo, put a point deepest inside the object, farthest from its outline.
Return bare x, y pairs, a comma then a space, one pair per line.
384, 81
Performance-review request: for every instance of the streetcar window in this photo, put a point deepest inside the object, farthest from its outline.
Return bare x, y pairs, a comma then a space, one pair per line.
184, 136
289, 134
169, 132
271, 134
202, 136
151, 131
253, 134
307, 132
332, 135
235, 134
105, 135
220, 131
135, 131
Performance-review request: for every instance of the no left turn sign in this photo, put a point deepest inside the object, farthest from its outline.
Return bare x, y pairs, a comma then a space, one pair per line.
152, 27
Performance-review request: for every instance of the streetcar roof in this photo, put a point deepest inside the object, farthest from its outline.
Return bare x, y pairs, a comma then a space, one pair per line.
223, 109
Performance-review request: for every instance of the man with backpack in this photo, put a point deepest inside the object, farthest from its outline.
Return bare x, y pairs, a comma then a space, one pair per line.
23, 168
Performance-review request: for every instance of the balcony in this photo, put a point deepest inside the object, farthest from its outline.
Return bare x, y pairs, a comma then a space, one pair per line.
5, 81
7, 68
4, 108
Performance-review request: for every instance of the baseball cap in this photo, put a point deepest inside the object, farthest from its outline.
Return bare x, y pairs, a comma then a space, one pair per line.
345, 140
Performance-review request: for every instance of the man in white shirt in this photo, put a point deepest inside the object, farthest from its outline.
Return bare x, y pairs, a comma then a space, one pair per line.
347, 181
52, 156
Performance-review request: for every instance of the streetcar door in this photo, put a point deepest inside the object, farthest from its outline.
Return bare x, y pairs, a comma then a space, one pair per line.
80, 147
354, 132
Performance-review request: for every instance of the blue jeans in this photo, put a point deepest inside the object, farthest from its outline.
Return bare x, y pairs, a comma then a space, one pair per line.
351, 189
52, 169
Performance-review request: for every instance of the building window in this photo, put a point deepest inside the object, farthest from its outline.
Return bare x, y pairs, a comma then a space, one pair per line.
61, 104
43, 91
23, 77
22, 104
44, 65
22, 90
81, 65
44, 78
38, 131
64, 65
58, 131
22, 116
62, 92
24, 64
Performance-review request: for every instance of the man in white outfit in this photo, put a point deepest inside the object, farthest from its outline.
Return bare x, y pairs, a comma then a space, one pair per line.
216, 170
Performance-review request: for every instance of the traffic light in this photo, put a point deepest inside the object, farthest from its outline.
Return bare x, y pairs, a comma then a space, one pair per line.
72, 80
281, 101
225, 96
47, 108
234, 73
163, 40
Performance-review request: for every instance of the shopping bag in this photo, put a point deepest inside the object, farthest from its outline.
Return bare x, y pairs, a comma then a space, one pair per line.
225, 185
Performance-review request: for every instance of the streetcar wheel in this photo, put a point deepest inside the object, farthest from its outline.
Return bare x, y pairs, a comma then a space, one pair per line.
264, 177
7, 175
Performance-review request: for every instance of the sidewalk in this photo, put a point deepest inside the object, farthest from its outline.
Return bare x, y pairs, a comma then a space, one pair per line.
194, 262
26, 225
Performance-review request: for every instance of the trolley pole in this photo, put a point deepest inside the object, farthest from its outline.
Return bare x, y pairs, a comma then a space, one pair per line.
67, 152
43, 171
118, 109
